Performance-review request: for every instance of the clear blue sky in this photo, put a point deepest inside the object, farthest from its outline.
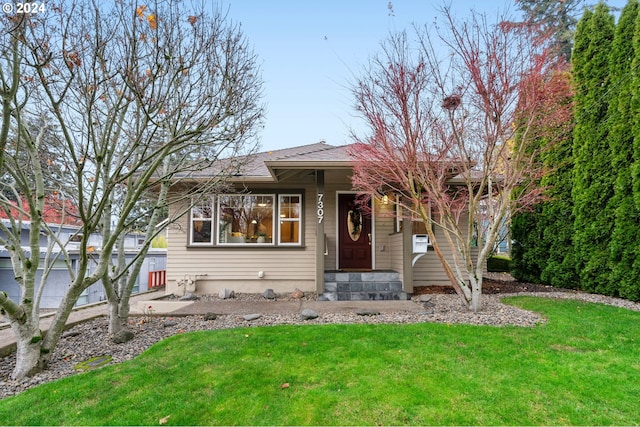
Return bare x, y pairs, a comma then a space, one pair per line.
310, 50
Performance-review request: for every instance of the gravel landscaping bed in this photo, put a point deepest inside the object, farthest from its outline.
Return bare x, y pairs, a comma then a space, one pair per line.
90, 339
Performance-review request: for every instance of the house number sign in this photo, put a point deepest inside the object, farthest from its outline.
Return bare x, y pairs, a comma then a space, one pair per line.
320, 208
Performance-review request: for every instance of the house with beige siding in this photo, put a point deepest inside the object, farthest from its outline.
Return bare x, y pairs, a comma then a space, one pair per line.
293, 221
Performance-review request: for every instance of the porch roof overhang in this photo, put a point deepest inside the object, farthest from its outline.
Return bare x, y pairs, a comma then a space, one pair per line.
282, 170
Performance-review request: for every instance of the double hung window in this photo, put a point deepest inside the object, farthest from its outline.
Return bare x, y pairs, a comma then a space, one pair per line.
202, 223
289, 221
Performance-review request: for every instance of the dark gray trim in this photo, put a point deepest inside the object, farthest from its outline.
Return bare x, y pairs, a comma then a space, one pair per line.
320, 241
407, 255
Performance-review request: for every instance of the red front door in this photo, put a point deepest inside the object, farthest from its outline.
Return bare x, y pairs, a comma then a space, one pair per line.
354, 234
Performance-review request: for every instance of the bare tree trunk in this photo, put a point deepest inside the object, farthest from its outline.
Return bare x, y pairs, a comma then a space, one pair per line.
118, 307
123, 309
28, 341
476, 293
113, 299
117, 301
127, 274
60, 320
462, 291
115, 321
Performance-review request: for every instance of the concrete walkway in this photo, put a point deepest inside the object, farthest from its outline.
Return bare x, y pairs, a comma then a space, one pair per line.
232, 306
151, 303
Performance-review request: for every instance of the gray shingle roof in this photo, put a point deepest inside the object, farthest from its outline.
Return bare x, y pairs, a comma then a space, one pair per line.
320, 154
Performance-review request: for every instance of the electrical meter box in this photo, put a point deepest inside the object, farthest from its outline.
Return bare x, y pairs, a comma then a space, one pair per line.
420, 243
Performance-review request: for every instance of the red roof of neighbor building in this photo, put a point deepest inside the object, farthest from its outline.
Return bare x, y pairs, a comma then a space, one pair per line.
56, 211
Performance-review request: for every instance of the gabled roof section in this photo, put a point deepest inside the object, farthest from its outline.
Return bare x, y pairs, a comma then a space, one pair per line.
287, 163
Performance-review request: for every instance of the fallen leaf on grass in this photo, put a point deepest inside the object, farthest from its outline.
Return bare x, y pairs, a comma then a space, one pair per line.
164, 420
285, 385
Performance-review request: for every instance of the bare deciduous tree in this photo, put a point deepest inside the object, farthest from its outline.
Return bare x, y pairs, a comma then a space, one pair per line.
135, 99
447, 133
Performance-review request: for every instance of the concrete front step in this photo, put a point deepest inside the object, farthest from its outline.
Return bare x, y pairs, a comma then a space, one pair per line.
365, 276
363, 286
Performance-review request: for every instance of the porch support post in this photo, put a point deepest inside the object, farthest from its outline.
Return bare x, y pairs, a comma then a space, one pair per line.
320, 239
407, 255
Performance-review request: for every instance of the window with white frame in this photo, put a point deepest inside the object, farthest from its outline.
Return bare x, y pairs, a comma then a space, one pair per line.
202, 223
290, 206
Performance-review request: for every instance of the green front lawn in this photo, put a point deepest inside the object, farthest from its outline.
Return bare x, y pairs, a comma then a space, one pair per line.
581, 368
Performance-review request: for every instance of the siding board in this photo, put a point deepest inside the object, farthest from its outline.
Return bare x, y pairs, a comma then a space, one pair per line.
383, 229
396, 255
428, 270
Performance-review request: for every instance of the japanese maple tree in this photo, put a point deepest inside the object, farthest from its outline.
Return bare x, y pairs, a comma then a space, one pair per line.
451, 119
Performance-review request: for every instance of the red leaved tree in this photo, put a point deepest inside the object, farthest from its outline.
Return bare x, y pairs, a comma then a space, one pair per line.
452, 136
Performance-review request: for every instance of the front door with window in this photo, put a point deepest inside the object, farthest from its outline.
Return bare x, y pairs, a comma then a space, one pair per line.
354, 234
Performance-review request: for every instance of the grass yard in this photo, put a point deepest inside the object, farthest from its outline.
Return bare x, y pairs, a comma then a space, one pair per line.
581, 368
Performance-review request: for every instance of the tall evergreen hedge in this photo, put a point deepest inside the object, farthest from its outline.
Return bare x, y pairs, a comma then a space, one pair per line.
557, 218
625, 123
527, 255
588, 234
542, 247
542, 240
592, 175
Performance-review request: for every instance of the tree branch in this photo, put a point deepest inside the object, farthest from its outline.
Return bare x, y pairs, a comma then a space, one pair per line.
12, 310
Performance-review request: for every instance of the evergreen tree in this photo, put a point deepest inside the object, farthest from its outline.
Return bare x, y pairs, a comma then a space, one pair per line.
556, 218
593, 177
635, 168
542, 248
557, 18
527, 254
625, 110
541, 251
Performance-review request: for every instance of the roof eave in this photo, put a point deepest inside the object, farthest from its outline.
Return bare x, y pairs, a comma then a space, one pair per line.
275, 165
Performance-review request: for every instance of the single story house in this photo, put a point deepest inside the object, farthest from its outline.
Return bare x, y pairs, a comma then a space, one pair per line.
293, 221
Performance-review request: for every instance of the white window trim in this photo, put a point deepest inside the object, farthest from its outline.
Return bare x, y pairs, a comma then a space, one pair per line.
212, 219
298, 220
